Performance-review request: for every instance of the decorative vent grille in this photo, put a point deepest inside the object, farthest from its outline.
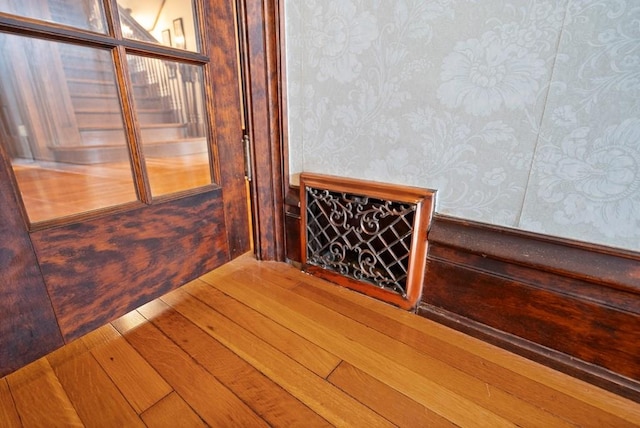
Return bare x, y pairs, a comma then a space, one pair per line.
365, 240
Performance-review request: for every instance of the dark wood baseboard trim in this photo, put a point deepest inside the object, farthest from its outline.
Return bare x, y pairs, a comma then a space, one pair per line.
570, 305
591, 373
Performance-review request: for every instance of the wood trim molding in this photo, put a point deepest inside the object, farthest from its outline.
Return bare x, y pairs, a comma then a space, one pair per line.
588, 262
567, 364
28, 326
539, 296
220, 18
261, 41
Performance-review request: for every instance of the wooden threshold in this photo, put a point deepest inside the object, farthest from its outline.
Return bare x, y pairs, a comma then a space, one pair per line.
263, 344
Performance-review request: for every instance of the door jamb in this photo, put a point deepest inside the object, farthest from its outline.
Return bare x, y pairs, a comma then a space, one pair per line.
260, 40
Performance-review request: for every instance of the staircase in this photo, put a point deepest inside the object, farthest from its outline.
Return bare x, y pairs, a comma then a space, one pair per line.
166, 105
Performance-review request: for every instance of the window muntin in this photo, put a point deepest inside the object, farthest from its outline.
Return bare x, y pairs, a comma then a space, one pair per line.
64, 129
82, 14
169, 104
109, 64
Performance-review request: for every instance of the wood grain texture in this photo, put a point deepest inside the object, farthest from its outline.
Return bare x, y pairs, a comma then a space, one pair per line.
570, 305
28, 327
90, 267
95, 397
221, 373
522, 291
213, 402
8, 413
296, 347
301, 315
138, 382
590, 330
460, 354
260, 37
603, 266
292, 225
406, 360
227, 113
94, 270
391, 404
40, 398
329, 402
170, 409
264, 396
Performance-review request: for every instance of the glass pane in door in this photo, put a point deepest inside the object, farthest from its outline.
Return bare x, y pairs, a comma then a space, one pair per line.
171, 23
84, 14
62, 128
169, 104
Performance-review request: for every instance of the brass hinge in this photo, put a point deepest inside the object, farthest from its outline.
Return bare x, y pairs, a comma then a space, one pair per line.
247, 157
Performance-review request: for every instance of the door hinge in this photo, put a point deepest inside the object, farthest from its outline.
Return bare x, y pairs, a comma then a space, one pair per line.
246, 142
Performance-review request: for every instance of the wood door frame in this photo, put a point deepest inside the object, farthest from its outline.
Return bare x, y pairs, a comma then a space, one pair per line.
260, 39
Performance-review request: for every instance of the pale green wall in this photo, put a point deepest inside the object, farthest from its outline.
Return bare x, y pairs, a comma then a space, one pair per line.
520, 113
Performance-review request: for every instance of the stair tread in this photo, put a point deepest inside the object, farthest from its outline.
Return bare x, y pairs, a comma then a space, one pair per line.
113, 96
120, 145
101, 82
106, 110
143, 126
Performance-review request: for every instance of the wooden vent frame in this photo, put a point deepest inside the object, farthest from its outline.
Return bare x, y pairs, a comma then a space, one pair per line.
367, 236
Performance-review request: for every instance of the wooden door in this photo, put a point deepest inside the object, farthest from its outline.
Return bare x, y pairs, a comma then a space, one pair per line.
63, 275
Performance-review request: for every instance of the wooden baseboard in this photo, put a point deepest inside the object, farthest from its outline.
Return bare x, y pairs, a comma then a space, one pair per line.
591, 373
569, 305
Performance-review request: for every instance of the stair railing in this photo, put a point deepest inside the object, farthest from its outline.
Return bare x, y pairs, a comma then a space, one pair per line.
176, 86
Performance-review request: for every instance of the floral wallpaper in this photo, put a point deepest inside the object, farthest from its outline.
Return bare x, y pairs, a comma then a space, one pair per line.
521, 113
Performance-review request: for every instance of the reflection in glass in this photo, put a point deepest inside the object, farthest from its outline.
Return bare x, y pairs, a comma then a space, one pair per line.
84, 14
169, 104
61, 125
172, 24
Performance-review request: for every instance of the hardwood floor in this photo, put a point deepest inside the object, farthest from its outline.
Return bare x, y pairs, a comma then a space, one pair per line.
262, 344
50, 190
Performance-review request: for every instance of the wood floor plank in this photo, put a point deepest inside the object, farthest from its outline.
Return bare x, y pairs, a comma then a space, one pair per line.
70, 350
296, 347
40, 399
447, 403
626, 410
82, 345
302, 315
464, 384
385, 400
141, 385
128, 322
255, 270
8, 414
538, 394
208, 343
100, 336
328, 401
213, 402
268, 399
172, 412
98, 401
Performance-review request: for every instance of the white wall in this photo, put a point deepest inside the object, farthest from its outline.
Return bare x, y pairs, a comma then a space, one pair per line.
174, 9
520, 113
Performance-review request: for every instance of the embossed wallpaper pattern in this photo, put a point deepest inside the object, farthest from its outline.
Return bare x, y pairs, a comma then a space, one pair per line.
520, 113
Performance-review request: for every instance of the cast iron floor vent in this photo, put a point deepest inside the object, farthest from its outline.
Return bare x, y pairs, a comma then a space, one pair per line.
367, 236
